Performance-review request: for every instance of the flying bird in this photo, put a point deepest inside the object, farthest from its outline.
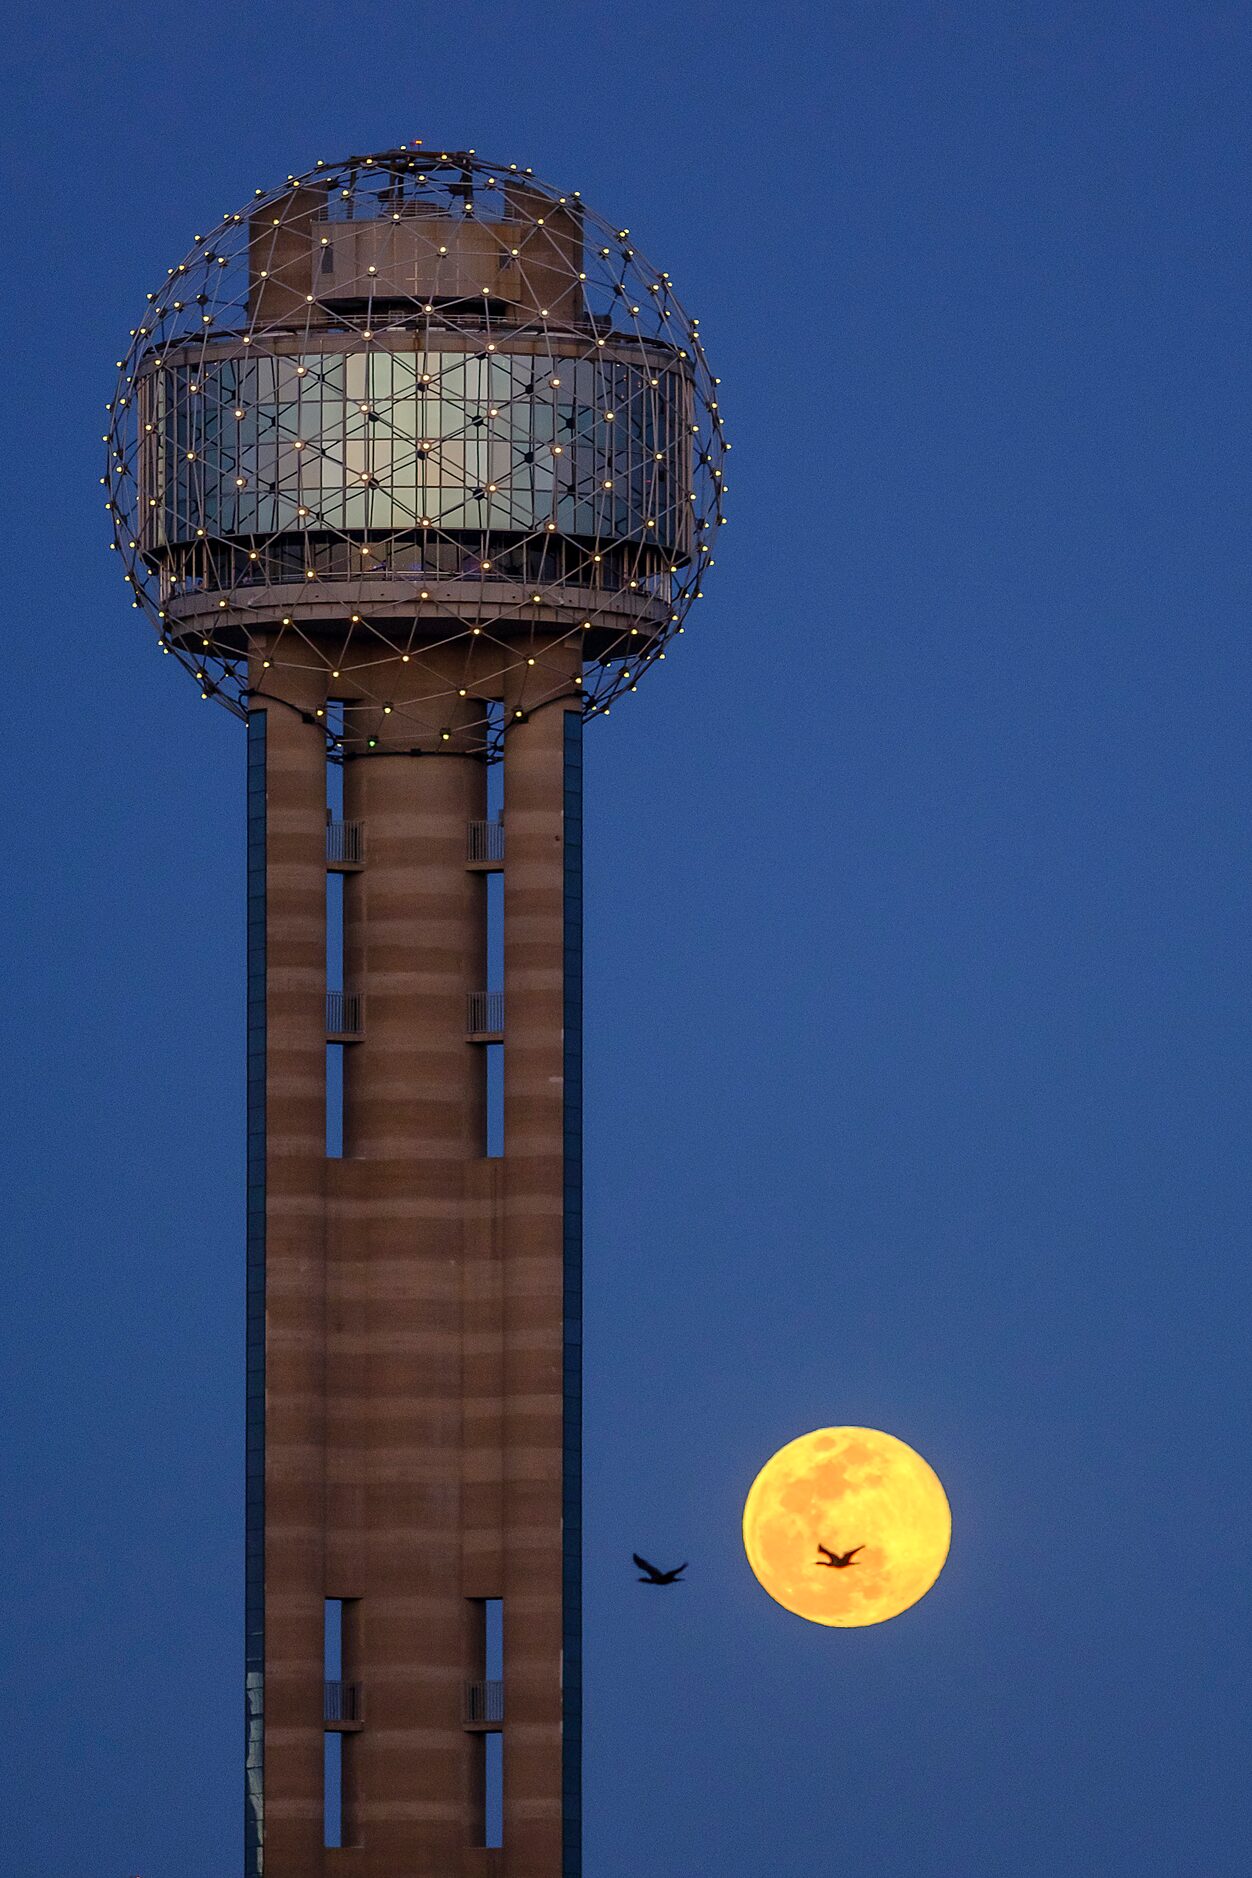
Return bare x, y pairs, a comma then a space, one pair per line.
837, 1561
655, 1577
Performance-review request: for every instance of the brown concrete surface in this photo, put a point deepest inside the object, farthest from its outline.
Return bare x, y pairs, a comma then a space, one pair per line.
413, 1308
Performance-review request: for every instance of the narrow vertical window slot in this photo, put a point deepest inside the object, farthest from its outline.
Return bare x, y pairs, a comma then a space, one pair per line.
495, 771
334, 1101
334, 764
495, 932
332, 1789
493, 1790
334, 982
332, 1649
494, 1052
332, 1742
493, 1742
334, 938
334, 932
493, 1639
484, 1714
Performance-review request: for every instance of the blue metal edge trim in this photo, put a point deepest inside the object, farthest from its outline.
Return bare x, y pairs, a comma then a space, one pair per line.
254, 1515
572, 1277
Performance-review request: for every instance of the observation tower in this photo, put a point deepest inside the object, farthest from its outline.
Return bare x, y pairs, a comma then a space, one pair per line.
415, 464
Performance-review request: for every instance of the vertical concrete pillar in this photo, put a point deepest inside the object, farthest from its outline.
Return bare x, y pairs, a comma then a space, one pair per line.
534, 1117
295, 886
415, 948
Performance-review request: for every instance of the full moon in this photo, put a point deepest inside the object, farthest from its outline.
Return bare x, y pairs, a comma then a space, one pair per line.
839, 1491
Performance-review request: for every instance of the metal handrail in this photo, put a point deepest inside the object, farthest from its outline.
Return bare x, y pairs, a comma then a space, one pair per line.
341, 1702
486, 840
484, 1701
345, 843
484, 1012
345, 1013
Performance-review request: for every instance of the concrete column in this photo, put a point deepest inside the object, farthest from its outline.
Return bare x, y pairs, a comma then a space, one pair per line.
295, 1292
415, 946
414, 1130
533, 1269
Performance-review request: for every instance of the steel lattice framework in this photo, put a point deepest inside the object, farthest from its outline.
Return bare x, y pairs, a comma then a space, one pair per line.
410, 409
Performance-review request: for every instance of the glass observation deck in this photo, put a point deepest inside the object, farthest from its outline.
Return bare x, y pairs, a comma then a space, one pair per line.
399, 441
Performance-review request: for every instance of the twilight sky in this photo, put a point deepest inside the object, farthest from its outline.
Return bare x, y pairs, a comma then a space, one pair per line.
919, 1031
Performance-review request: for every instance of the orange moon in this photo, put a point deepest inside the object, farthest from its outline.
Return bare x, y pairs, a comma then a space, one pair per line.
840, 1488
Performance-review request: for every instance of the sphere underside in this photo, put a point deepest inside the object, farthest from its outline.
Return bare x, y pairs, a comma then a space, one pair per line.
422, 439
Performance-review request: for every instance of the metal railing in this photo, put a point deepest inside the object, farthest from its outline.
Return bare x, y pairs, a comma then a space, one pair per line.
341, 1702
484, 1013
486, 841
345, 1013
484, 1702
345, 844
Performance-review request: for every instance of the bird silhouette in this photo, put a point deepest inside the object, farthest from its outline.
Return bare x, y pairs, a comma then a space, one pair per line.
837, 1561
656, 1577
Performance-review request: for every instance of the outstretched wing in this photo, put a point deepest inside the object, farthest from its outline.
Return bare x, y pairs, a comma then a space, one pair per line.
849, 1556
677, 1569
644, 1566
825, 1550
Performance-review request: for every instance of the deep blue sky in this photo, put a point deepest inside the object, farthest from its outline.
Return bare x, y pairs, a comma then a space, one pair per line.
918, 1020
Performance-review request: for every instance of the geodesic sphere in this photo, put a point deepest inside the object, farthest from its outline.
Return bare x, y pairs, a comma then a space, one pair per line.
416, 431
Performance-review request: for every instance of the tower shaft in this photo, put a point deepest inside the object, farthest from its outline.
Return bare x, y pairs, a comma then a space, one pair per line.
415, 1310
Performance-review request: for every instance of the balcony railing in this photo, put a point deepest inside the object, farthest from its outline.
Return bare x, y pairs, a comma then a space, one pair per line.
341, 1702
486, 842
345, 844
484, 1014
345, 1014
484, 1704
